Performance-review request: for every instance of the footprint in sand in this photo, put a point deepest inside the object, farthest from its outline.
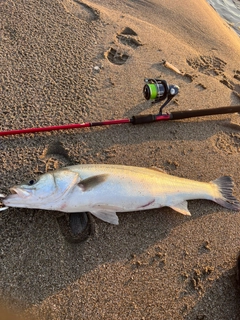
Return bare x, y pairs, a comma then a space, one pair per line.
214, 66
128, 31
237, 85
53, 157
116, 56
129, 41
80, 10
237, 75
228, 143
127, 37
201, 86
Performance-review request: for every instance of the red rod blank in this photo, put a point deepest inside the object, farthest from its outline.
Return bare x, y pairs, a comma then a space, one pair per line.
64, 127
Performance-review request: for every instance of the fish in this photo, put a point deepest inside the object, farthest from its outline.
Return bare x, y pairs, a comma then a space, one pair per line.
104, 190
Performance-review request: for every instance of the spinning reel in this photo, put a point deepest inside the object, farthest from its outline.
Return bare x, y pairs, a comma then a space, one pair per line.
159, 90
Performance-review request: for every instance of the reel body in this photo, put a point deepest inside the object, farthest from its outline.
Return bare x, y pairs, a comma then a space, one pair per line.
158, 90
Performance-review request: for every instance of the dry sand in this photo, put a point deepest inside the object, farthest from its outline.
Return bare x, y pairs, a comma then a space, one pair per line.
156, 264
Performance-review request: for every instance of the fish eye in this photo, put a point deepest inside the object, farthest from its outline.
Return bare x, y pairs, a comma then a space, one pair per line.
31, 182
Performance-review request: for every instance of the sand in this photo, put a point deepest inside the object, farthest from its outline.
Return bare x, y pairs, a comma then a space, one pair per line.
69, 61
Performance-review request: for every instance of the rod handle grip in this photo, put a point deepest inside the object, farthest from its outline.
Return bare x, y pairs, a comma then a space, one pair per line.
145, 118
175, 115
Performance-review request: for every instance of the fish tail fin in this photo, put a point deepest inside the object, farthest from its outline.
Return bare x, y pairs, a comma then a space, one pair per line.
224, 195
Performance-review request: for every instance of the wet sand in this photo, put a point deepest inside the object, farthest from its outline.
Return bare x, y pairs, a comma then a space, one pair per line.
230, 11
69, 61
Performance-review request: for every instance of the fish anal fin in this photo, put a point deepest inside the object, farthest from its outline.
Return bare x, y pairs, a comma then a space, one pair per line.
92, 182
181, 208
106, 215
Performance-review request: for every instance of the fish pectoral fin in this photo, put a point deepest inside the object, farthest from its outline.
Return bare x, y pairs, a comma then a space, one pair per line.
182, 208
92, 182
106, 215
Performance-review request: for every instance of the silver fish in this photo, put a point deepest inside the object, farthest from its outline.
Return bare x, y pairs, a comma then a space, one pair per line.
104, 190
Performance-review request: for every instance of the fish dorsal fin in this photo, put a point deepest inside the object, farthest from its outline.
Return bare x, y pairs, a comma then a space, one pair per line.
157, 169
182, 208
92, 182
106, 215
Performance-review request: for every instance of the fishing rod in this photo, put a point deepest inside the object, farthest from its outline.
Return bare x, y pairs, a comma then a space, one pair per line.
154, 89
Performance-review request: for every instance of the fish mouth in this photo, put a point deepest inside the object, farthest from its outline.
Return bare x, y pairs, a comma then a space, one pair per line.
13, 191
3, 196
18, 193
16, 198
